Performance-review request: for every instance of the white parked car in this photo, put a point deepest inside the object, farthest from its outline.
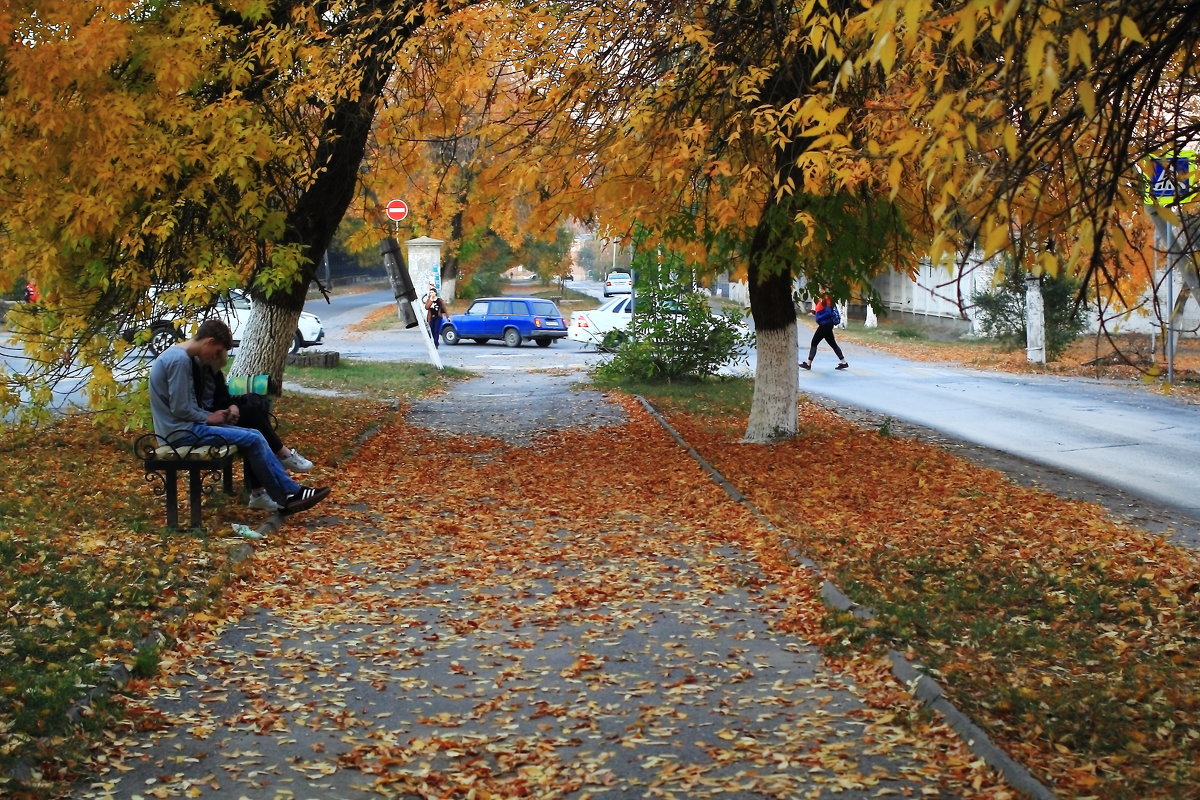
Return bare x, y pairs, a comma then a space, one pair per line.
168, 325
589, 327
618, 283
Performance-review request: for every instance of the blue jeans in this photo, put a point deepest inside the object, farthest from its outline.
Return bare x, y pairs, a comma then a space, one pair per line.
262, 459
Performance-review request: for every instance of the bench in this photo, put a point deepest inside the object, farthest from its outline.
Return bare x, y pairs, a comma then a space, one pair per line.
202, 463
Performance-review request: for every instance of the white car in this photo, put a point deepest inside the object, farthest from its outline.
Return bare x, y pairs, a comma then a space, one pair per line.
618, 283
167, 326
590, 327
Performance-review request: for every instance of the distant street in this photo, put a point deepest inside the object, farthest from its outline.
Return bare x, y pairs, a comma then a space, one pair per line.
1125, 436
1122, 435
397, 344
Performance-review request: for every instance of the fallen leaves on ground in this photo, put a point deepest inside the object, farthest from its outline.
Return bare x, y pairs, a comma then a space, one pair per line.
1075, 641
455, 621
1121, 357
87, 572
466, 618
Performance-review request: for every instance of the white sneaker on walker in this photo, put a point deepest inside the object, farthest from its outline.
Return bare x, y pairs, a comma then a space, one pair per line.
261, 501
296, 462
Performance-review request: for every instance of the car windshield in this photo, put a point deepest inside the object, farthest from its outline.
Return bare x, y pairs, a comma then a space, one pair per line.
544, 308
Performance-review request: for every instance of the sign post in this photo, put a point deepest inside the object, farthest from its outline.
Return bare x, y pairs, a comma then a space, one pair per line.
1172, 180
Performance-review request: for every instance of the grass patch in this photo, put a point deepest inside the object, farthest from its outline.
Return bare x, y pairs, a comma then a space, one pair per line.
87, 570
375, 380
892, 332
708, 397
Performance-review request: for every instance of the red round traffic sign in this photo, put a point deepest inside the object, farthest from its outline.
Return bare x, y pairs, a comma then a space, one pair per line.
397, 210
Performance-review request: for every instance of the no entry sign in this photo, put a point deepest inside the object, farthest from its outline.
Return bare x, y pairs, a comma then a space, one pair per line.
397, 210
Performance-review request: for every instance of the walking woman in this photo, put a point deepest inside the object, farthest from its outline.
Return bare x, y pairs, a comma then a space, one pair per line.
826, 315
436, 314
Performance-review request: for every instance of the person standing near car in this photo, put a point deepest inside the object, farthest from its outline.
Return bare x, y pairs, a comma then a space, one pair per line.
435, 314
826, 316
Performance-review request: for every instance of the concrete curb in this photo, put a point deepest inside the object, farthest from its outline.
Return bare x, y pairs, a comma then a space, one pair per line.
923, 687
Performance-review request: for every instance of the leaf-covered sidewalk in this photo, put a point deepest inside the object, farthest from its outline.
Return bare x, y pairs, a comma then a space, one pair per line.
584, 616
1072, 639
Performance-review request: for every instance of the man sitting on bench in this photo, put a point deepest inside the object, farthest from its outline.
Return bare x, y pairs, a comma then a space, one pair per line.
179, 419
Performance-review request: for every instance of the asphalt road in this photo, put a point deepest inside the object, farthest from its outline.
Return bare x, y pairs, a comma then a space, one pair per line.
1118, 433
341, 316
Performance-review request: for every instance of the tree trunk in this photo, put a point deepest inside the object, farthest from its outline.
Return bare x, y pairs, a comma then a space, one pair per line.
318, 208
773, 410
266, 341
772, 266
1035, 321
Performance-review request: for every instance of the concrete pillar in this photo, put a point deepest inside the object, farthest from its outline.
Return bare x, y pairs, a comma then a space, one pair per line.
1035, 321
425, 263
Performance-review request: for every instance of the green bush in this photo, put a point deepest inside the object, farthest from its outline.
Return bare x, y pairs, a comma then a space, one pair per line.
482, 283
673, 335
1002, 312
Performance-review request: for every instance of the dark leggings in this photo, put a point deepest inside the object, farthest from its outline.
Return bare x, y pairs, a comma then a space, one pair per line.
824, 332
257, 416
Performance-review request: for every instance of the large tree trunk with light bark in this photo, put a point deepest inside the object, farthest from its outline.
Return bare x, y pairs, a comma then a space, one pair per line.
317, 207
776, 377
266, 341
773, 410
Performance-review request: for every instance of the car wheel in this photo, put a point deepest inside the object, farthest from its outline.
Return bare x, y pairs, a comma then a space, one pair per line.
512, 337
297, 342
545, 342
480, 341
450, 335
161, 338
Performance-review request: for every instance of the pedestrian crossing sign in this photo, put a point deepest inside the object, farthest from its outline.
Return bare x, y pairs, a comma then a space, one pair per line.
1172, 178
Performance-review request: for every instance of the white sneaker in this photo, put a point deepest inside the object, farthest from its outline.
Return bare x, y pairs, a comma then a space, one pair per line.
263, 502
296, 462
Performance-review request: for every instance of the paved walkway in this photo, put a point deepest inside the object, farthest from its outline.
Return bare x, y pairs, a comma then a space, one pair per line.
523, 617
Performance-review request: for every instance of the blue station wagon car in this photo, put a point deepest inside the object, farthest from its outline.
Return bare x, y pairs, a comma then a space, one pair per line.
513, 319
